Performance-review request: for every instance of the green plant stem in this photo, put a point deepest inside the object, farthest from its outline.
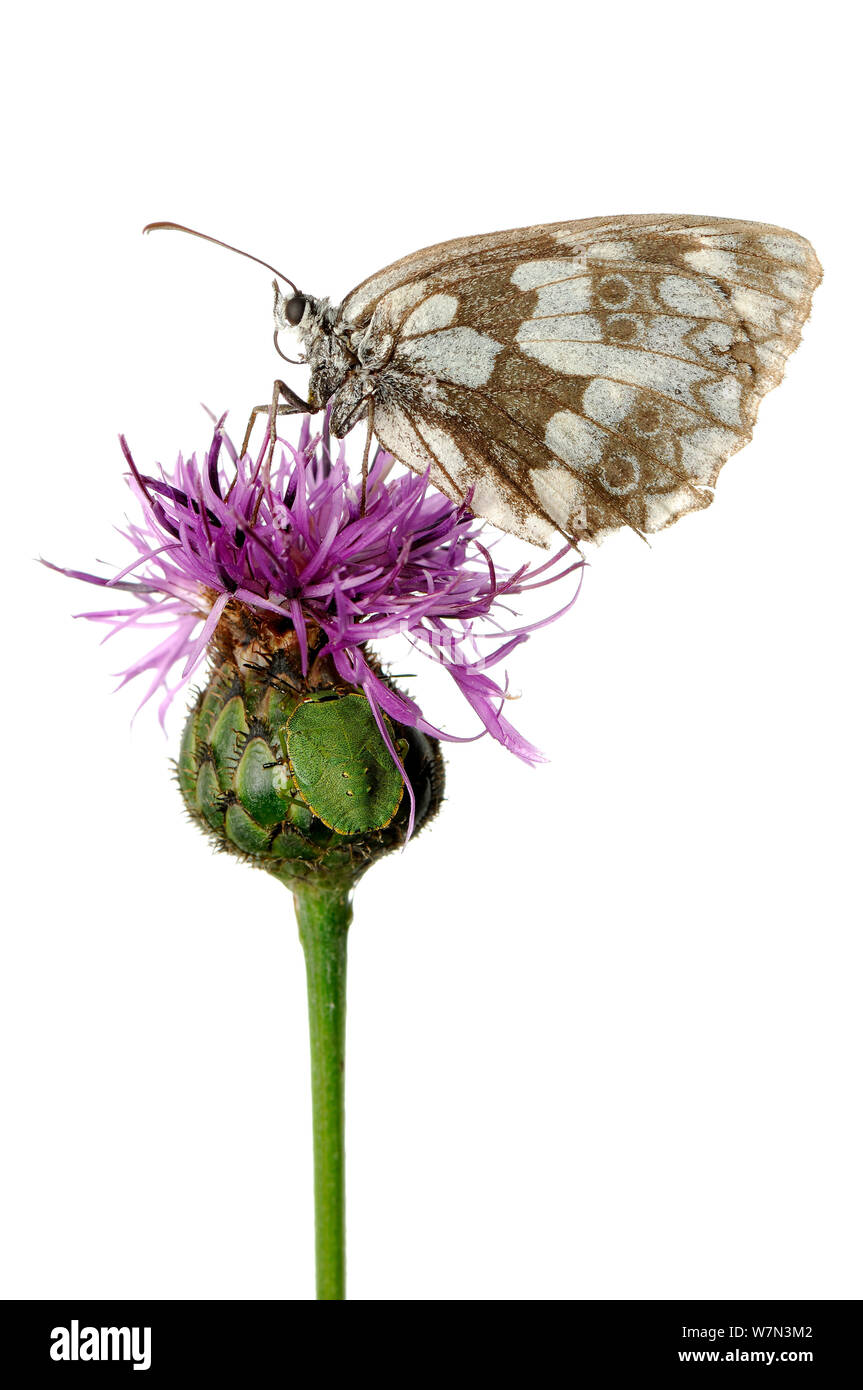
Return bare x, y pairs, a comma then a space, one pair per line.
324, 915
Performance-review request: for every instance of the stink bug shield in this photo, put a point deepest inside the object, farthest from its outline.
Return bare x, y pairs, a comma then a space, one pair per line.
341, 766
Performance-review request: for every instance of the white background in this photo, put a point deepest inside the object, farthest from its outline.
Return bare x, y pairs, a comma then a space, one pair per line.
604, 1024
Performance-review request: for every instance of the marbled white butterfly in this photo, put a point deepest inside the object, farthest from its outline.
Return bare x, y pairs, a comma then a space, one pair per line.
577, 377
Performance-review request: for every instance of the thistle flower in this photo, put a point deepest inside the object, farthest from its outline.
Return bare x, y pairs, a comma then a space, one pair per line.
297, 751
294, 547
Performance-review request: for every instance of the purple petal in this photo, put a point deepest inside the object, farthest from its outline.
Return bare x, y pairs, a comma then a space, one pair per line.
295, 544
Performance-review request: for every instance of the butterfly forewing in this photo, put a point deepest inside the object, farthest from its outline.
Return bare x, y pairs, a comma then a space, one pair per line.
583, 376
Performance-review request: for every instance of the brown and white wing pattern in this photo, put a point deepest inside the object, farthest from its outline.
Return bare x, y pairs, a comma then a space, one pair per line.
583, 376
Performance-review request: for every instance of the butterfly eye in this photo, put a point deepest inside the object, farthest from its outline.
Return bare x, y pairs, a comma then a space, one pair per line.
294, 309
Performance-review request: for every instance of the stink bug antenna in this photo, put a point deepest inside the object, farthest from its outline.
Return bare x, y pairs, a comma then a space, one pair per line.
178, 227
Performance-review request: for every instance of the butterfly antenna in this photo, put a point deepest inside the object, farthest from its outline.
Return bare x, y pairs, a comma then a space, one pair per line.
178, 227
294, 361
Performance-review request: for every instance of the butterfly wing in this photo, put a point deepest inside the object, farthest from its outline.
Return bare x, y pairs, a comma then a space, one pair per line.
583, 376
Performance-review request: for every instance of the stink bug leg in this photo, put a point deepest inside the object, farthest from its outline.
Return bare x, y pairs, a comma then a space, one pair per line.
281, 769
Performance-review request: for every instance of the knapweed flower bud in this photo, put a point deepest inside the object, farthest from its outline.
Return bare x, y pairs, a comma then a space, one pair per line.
290, 771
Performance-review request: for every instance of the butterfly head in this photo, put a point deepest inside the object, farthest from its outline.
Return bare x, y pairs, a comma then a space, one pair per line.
289, 310
326, 350
302, 314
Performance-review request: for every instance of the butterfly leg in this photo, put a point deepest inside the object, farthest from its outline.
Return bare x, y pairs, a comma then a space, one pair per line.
294, 405
370, 425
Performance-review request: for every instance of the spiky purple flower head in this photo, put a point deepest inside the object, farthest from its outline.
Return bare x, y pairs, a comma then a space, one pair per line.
293, 541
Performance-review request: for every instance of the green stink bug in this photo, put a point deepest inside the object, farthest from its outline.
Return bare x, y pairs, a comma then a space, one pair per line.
341, 766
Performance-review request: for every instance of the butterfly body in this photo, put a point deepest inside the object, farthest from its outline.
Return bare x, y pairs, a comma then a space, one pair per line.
574, 378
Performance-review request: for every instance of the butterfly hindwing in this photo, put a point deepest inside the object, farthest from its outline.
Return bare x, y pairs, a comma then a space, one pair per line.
586, 375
